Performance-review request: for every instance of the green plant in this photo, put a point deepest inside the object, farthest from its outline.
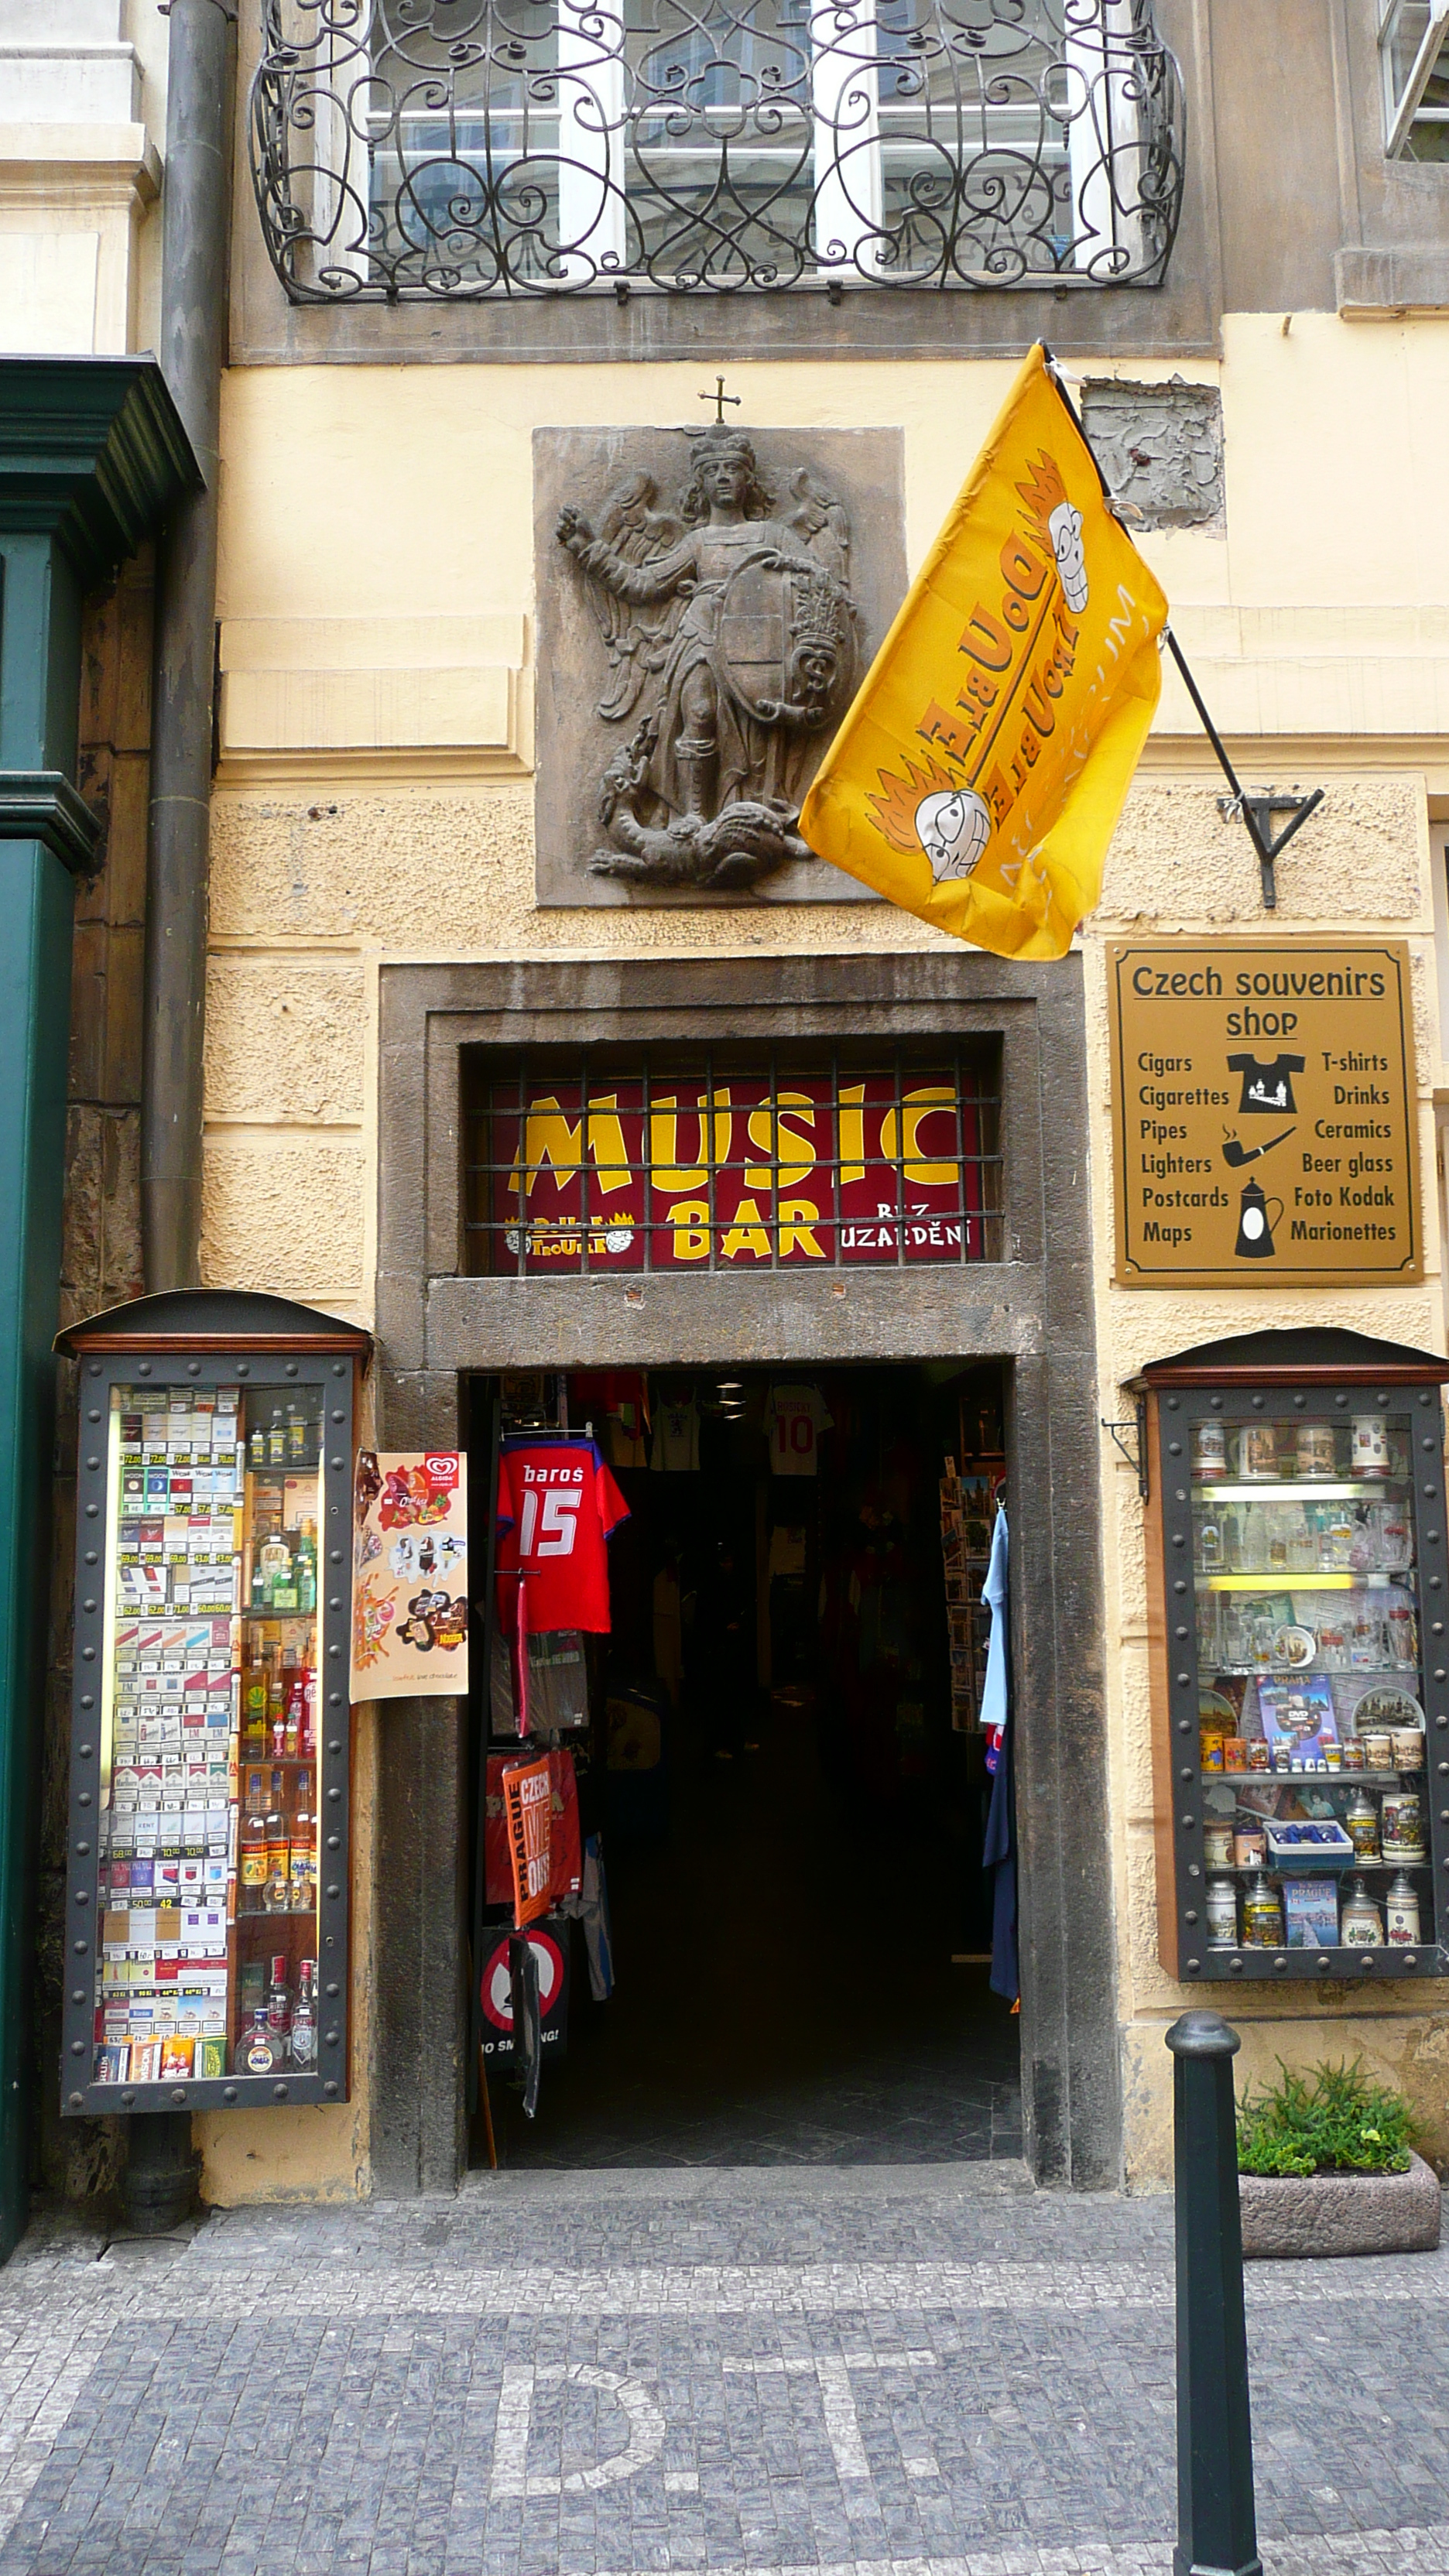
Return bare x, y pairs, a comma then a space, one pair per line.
1333, 2119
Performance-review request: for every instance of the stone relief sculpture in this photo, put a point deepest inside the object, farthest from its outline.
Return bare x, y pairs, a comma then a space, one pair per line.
733, 645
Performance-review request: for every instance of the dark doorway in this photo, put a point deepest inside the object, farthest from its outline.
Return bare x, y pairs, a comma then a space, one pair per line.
783, 1770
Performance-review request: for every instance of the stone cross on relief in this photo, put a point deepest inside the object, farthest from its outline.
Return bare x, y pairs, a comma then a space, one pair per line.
719, 398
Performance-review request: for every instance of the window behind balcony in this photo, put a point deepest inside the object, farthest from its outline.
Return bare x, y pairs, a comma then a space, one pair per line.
407, 148
1414, 45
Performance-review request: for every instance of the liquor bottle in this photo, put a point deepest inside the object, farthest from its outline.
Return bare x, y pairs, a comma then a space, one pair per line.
306, 1566
291, 1703
296, 1435
304, 1846
276, 1563
255, 1709
252, 1847
276, 1439
257, 1449
279, 1999
279, 1867
304, 2019
259, 1582
307, 1731
261, 2049
276, 1708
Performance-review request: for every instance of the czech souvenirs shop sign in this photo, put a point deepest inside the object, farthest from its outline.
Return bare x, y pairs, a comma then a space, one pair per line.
736, 1172
1263, 1115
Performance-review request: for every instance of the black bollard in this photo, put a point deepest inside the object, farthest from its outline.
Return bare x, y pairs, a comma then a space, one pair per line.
1216, 2523
158, 2191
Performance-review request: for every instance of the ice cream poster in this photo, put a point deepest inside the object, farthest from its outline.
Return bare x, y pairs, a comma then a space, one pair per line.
409, 1574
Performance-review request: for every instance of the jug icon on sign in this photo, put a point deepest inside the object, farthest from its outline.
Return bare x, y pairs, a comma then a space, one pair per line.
1255, 1226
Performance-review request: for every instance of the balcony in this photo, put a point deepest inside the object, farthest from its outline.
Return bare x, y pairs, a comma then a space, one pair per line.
411, 150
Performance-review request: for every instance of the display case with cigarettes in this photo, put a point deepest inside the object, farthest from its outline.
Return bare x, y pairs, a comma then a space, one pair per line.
1298, 1591
208, 1863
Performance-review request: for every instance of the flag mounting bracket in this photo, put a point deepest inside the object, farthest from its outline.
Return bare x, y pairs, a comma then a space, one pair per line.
1136, 1456
1257, 812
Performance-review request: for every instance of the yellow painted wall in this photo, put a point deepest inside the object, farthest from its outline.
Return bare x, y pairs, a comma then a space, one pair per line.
418, 505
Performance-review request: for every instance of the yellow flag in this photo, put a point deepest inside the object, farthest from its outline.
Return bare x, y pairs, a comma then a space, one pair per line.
978, 777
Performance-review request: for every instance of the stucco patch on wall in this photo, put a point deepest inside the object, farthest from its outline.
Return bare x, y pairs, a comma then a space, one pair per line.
444, 876
1160, 447
284, 1216
285, 1040
1141, 1324
1176, 861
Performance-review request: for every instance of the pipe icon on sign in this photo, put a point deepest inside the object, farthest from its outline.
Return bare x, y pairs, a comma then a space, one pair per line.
1237, 1153
1255, 1226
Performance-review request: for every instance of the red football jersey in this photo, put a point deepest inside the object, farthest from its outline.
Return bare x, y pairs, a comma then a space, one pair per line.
557, 1503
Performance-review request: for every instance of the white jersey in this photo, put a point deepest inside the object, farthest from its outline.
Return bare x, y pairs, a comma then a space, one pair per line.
794, 1419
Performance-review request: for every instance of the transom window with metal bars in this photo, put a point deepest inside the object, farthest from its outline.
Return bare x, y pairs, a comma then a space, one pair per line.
699, 1160
463, 148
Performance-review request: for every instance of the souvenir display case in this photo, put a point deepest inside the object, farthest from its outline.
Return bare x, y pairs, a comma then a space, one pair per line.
207, 1896
1299, 1589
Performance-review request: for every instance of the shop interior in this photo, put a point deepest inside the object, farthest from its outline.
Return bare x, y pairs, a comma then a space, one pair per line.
777, 1760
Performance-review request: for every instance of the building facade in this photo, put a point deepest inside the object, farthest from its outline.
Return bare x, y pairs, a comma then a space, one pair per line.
1229, 224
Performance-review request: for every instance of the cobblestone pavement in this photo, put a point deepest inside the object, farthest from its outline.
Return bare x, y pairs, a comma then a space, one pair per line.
930, 2372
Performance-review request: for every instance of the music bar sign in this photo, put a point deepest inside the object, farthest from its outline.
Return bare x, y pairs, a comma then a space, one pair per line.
1263, 1114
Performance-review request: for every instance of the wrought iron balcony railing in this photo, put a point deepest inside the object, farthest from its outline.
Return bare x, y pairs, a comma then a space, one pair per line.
468, 148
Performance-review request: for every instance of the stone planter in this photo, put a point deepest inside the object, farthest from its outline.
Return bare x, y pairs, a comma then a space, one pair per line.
1320, 2214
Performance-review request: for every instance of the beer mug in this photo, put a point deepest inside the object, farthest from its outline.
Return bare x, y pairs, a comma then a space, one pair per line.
1370, 1445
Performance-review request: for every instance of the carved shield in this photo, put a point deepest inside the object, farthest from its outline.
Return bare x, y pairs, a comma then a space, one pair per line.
755, 634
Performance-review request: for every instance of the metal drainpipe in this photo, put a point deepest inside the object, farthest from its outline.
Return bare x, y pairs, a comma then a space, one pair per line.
160, 2183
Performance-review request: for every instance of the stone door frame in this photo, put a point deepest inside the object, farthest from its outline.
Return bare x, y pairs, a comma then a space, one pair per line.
1032, 1311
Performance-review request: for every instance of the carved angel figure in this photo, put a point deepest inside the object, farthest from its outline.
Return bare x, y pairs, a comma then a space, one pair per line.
736, 630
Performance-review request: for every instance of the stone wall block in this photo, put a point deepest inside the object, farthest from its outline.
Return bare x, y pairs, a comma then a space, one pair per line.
419, 1410
125, 1004
95, 777
282, 1215
89, 956
101, 622
1175, 860
122, 1269
452, 873
126, 845
131, 723
285, 1040
81, 1231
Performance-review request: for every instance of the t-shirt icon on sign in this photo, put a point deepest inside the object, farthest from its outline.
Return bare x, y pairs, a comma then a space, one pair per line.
1267, 1088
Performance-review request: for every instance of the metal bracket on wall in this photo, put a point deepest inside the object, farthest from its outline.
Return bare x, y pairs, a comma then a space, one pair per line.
1136, 1456
1257, 812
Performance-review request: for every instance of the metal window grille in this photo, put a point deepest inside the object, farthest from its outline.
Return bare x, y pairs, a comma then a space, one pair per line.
579, 1164
464, 148
1414, 52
